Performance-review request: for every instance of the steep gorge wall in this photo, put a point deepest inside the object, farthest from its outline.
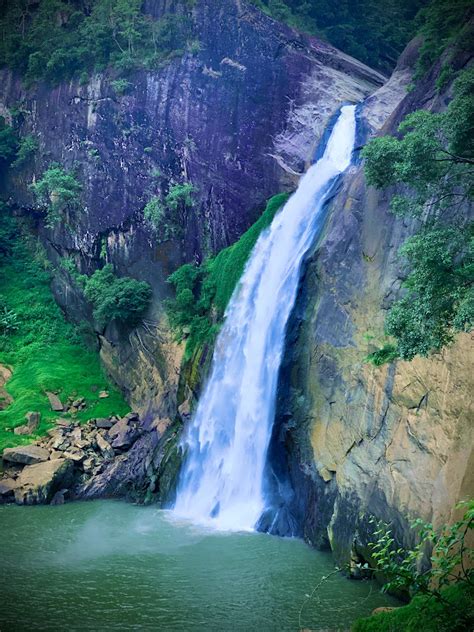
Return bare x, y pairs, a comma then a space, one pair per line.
237, 118
394, 442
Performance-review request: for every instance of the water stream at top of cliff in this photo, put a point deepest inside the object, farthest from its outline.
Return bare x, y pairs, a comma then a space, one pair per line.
222, 479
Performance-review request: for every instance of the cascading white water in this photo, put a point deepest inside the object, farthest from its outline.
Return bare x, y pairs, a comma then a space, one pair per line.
221, 481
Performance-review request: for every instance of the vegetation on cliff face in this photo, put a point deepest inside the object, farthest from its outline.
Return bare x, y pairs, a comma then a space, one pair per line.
170, 216
55, 40
433, 158
58, 191
203, 292
44, 351
116, 298
360, 28
443, 590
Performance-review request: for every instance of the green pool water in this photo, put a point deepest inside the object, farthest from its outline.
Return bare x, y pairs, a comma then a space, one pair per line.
114, 566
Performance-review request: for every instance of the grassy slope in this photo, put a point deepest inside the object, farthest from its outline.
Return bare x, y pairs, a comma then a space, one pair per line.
226, 268
423, 614
45, 352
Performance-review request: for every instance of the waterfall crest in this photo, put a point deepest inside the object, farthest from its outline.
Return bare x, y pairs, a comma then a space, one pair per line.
222, 479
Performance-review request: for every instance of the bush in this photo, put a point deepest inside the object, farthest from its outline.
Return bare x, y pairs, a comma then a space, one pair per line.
123, 299
169, 218
8, 144
26, 148
57, 190
432, 157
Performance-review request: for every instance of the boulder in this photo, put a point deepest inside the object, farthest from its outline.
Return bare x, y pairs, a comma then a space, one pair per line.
55, 402
105, 447
185, 410
7, 488
33, 420
58, 498
121, 435
103, 394
26, 454
22, 430
104, 423
38, 483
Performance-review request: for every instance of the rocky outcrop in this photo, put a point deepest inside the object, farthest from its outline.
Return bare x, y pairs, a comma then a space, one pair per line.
111, 457
394, 442
237, 118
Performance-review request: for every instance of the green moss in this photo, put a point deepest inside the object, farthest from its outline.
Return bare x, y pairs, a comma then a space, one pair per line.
426, 614
203, 292
45, 352
225, 270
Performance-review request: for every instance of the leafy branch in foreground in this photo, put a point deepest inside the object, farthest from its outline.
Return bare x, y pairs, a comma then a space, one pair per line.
433, 158
450, 562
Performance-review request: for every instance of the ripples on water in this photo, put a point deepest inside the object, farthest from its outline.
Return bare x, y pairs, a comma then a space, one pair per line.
107, 565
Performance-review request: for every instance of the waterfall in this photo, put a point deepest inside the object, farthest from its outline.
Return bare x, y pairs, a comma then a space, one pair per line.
222, 479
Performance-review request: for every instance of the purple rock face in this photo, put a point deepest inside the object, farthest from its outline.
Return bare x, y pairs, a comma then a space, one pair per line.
239, 119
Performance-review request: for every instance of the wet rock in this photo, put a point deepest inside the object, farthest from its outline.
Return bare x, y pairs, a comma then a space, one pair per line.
58, 498
185, 410
55, 402
7, 488
38, 483
26, 454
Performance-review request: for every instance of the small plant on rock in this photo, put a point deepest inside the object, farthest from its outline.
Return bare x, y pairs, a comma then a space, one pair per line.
58, 191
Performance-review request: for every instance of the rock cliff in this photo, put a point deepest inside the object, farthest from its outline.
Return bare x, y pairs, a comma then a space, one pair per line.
394, 442
238, 118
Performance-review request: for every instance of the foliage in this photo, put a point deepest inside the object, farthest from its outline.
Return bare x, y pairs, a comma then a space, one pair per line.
445, 585
57, 190
123, 299
387, 353
434, 159
203, 292
358, 28
170, 217
120, 86
8, 318
424, 614
8, 144
43, 349
55, 40
27, 146
442, 22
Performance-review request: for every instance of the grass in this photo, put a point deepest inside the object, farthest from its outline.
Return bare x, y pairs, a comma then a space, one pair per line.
45, 352
226, 268
425, 614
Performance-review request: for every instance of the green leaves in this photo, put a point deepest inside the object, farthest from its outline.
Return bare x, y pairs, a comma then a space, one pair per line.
57, 190
433, 159
123, 299
169, 217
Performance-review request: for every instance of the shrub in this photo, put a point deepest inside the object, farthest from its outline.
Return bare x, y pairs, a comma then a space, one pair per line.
58, 190
26, 148
169, 217
8, 144
123, 299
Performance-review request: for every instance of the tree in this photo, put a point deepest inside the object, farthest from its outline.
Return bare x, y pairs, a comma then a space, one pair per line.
433, 158
58, 191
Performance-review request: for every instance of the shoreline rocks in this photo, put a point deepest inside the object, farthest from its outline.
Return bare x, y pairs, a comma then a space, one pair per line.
69, 455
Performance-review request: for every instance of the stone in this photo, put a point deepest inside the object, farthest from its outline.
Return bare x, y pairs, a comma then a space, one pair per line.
38, 483
161, 425
104, 423
132, 417
22, 430
89, 464
7, 487
103, 394
26, 454
54, 402
184, 409
383, 609
76, 456
33, 420
122, 435
58, 498
105, 447
77, 403
63, 423
76, 435
5, 397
